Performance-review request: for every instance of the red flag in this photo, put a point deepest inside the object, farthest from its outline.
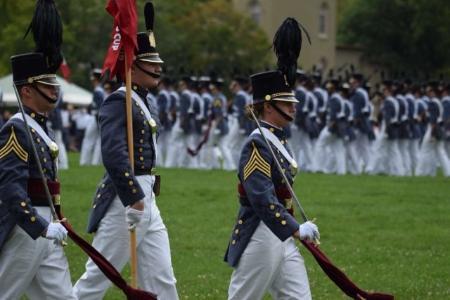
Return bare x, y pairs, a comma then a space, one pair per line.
123, 40
65, 70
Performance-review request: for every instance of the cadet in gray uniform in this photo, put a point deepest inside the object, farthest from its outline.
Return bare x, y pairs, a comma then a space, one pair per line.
90, 153
125, 197
432, 152
32, 260
262, 249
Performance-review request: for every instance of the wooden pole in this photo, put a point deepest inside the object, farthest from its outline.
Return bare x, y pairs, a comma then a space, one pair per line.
129, 112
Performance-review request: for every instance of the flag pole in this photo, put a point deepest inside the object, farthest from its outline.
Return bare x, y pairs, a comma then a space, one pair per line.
133, 254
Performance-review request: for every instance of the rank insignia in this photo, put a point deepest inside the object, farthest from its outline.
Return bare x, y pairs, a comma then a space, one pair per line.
12, 145
256, 162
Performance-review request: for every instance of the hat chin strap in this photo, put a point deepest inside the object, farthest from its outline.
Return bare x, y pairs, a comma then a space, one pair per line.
282, 113
50, 100
151, 74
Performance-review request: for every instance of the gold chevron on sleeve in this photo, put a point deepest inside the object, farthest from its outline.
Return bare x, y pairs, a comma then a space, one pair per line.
12, 145
256, 162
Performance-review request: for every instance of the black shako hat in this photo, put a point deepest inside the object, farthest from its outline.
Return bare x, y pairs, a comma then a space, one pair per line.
146, 51
28, 68
278, 85
271, 85
42, 64
146, 42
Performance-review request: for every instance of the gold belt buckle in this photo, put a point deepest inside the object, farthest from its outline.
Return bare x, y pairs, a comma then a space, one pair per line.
288, 203
57, 199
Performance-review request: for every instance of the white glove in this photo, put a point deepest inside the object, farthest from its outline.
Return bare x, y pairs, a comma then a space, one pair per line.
134, 216
57, 232
309, 231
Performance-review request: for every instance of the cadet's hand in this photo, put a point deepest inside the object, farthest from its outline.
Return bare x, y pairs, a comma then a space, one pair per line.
309, 231
57, 232
134, 213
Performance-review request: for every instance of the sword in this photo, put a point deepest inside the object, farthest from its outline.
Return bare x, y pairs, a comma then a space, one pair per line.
280, 169
38, 162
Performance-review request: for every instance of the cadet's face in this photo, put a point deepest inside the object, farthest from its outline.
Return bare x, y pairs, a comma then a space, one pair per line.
144, 79
233, 86
353, 83
36, 101
50, 91
289, 109
275, 117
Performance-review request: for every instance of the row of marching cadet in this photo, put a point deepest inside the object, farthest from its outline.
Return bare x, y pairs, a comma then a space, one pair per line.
398, 127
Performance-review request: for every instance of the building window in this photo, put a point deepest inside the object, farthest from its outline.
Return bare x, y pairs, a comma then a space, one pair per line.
323, 20
255, 11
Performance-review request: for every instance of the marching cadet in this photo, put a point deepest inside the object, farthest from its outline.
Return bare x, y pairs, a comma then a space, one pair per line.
312, 127
163, 104
207, 153
330, 144
413, 122
353, 163
300, 140
56, 124
32, 260
220, 125
238, 121
404, 133
91, 147
177, 155
361, 117
262, 249
432, 152
387, 157
322, 99
126, 197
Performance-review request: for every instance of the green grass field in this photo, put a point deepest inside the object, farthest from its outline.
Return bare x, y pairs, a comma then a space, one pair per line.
388, 234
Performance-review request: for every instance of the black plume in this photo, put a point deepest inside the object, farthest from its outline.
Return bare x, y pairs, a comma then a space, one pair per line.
47, 29
149, 13
287, 44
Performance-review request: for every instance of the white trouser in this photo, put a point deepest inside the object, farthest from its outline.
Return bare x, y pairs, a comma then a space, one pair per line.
224, 148
97, 155
191, 162
387, 157
217, 151
363, 147
403, 145
163, 145
89, 141
112, 240
305, 153
176, 153
235, 139
323, 148
269, 264
432, 153
37, 268
414, 153
354, 164
63, 163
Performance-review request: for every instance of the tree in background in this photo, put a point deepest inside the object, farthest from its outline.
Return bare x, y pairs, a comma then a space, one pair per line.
410, 36
211, 36
193, 35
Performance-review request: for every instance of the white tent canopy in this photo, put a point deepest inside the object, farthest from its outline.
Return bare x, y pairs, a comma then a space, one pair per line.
71, 92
